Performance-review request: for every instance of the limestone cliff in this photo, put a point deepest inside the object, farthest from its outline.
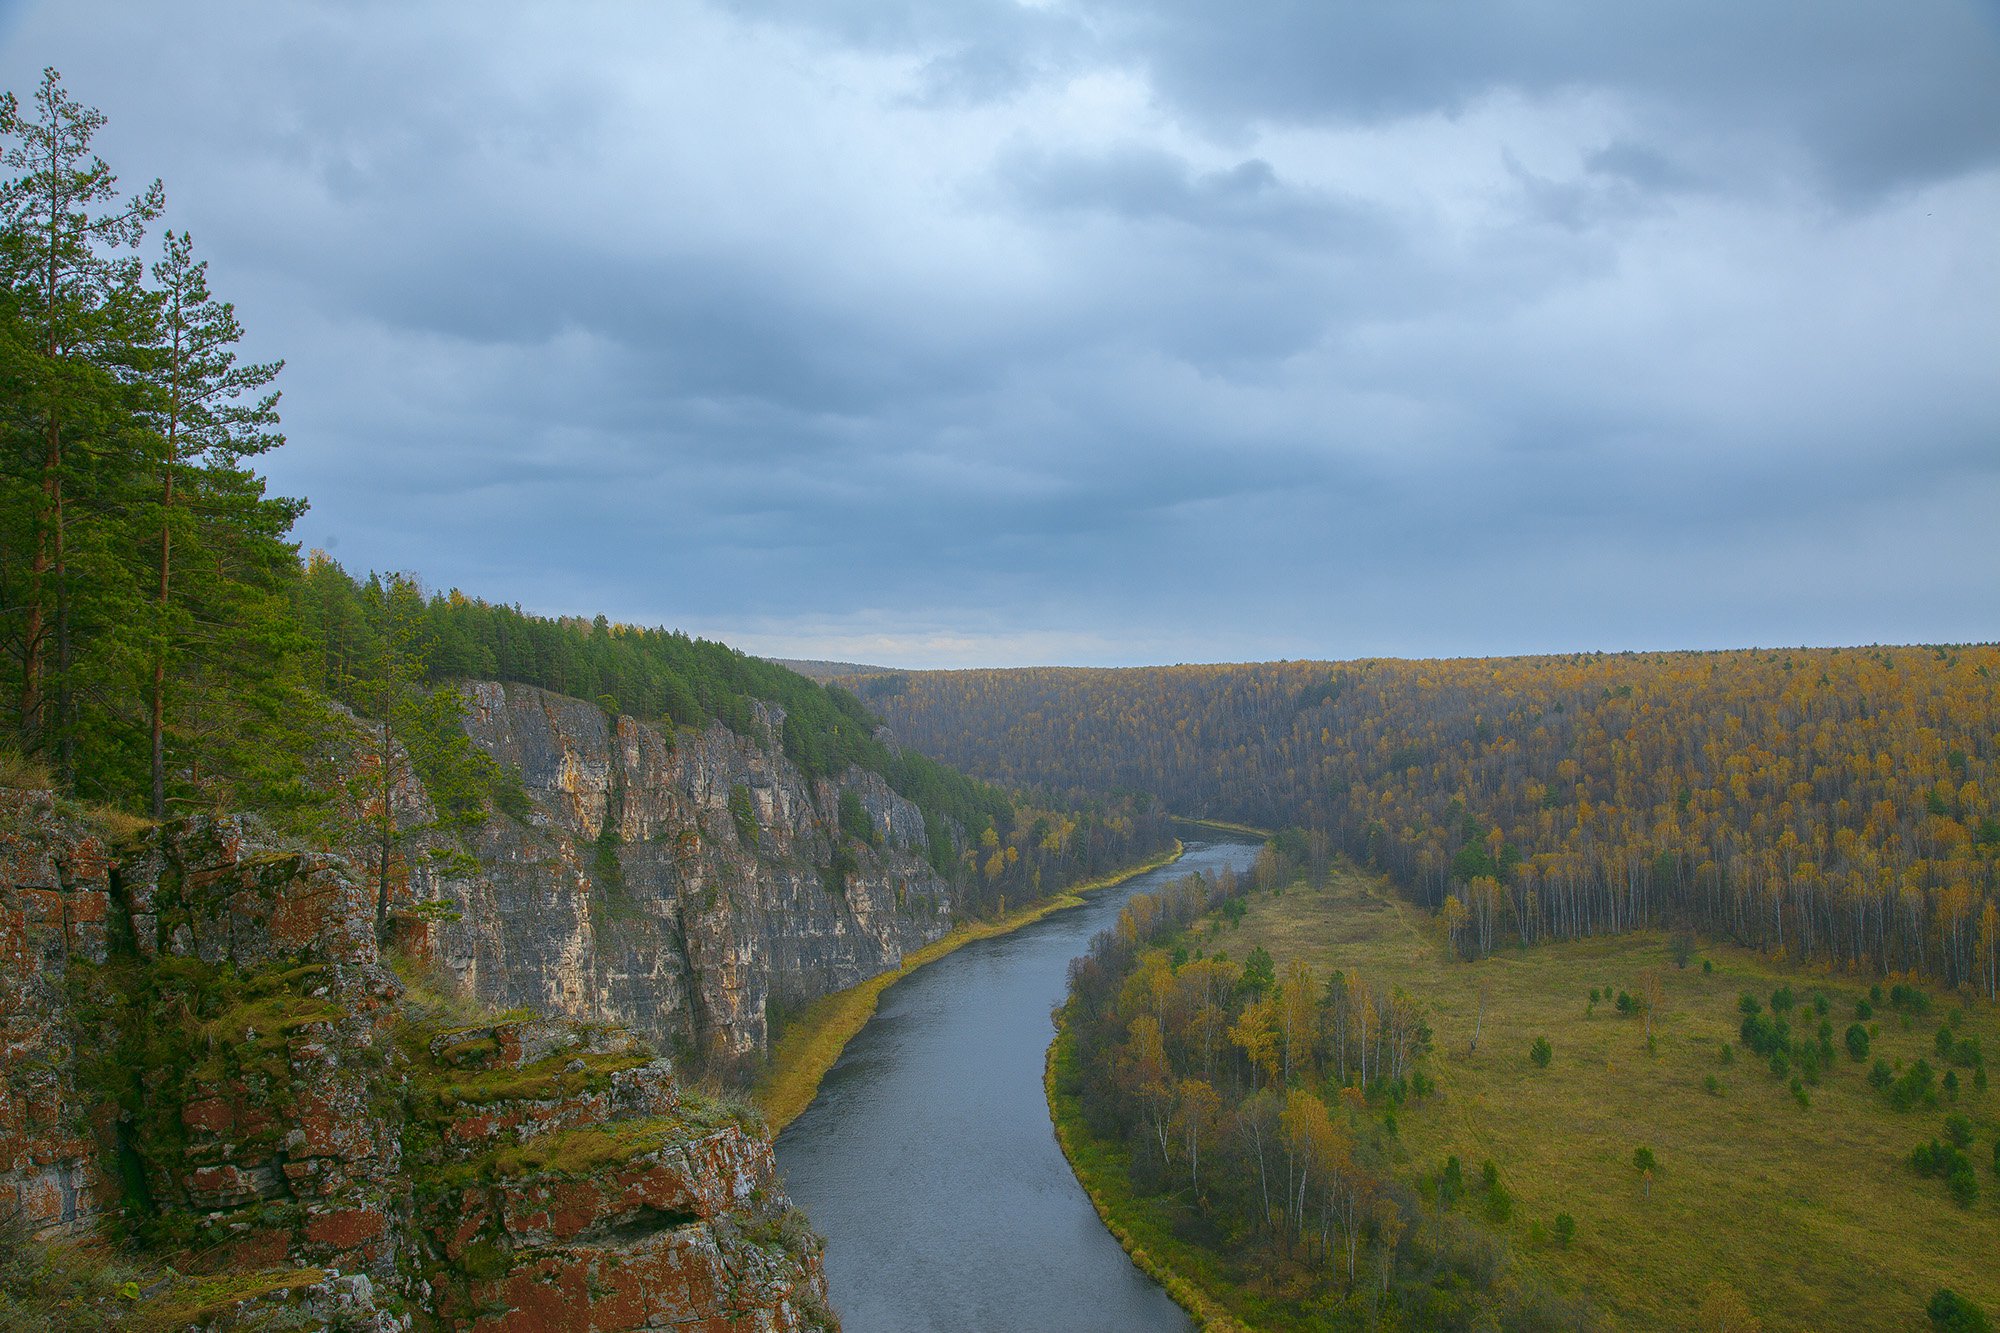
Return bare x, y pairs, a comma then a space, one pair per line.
685, 883
199, 1041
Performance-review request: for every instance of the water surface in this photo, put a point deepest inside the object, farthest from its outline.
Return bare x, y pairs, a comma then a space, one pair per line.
928, 1163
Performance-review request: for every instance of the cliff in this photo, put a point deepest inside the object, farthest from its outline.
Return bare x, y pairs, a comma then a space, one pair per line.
686, 883
200, 1044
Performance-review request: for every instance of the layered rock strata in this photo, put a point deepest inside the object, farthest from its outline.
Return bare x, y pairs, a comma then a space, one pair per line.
685, 883
202, 1044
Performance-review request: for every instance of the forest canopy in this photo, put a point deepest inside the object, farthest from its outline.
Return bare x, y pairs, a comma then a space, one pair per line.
1833, 804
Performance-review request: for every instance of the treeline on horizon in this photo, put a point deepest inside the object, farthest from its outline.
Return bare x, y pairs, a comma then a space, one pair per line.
163, 647
1255, 1114
1834, 805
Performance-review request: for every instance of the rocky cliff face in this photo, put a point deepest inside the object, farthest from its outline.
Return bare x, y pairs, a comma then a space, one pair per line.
198, 1036
683, 883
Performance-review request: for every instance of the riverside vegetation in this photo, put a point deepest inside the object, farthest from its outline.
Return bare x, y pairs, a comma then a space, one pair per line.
1661, 1134
1822, 821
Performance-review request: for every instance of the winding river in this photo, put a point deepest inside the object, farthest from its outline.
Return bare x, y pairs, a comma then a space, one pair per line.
928, 1163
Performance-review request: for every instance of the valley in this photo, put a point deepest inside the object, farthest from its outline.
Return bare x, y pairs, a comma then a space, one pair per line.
1808, 1208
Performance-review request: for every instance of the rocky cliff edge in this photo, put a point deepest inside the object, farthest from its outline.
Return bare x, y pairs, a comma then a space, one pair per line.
200, 1046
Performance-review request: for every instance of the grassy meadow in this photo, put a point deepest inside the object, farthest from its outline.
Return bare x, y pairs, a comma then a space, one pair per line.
1812, 1213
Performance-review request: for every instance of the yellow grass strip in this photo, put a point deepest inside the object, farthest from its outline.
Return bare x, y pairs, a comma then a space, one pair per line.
1066, 1114
1247, 830
815, 1039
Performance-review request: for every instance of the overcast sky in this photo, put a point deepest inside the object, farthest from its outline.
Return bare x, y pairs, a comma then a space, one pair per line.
985, 333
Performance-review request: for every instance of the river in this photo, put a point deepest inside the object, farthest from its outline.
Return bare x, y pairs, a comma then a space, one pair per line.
928, 1163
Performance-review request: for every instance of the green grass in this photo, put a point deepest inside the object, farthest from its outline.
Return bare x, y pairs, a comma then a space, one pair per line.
88, 1287
564, 1074
1813, 1214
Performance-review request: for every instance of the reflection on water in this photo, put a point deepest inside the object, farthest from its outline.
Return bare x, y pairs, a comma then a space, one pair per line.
928, 1163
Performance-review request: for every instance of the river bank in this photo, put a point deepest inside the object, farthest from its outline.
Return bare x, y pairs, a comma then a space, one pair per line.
813, 1041
1224, 826
1100, 1169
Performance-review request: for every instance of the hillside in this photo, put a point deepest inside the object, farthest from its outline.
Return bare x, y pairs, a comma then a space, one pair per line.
1798, 1194
1833, 804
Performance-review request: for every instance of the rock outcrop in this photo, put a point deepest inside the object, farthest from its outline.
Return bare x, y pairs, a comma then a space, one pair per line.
685, 883
199, 1040
55, 909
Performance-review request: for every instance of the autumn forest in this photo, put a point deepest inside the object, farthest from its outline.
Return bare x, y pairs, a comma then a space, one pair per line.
1833, 805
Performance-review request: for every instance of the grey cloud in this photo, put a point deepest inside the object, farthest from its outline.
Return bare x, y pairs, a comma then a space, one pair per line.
1141, 183
1642, 165
1877, 96
1145, 386
1874, 97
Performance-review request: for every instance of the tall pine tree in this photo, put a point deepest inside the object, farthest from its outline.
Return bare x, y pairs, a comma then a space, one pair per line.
62, 222
204, 430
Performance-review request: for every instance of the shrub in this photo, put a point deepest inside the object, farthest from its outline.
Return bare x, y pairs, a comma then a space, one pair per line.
1499, 1203
1749, 1005
1541, 1052
1682, 948
1863, 1011
743, 812
1914, 1088
1728, 1056
1766, 1036
1810, 1063
1451, 1180
1952, 1313
855, 821
1565, 1229
1857, 1042
1938, 1159
1782, 999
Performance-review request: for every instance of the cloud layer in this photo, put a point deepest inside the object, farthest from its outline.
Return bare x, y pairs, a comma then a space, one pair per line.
998, 332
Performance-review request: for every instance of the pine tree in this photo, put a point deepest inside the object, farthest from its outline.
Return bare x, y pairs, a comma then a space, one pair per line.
62, 220
195, 386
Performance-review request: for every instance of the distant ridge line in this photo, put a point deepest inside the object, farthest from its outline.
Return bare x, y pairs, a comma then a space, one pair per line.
813, 669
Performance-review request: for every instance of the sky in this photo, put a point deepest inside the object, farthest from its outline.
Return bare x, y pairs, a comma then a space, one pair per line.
997, 333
